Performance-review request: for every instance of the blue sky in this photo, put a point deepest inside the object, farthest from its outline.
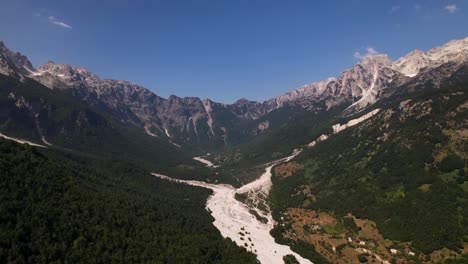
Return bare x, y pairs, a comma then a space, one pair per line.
224, 49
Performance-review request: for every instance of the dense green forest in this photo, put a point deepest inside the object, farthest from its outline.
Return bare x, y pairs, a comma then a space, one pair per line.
62, 208
405, 169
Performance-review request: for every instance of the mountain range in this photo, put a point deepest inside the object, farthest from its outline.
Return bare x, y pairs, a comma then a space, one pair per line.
379, 167
204, 124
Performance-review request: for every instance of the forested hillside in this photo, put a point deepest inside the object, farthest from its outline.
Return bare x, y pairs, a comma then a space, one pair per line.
405, 169
63, 208
32, 111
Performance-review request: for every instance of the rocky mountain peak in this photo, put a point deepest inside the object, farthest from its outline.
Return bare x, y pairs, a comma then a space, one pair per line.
14, 63
381, 60
416, 52
57, 69
187, 118
242, 101
70, 75
246, 109
450, 51
412, 63
82, 71
207, 101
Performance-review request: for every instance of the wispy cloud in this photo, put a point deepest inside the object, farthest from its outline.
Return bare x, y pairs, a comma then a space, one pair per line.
417, 7
40, 12
394, 9
59, 23
370, 51
451, 8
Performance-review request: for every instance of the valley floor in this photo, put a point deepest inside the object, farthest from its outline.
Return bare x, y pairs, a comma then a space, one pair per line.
235, 220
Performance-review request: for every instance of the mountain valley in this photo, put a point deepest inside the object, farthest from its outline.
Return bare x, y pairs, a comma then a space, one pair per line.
381, 176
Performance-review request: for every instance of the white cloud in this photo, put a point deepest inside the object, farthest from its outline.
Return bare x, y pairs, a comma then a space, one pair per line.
59, 23
394, 9
370, 51
451, 8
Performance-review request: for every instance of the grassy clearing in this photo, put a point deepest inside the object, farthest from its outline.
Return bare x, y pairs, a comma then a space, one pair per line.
425, 187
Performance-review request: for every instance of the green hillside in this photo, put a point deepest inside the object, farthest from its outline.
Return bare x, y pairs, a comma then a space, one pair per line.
60, 208
405, 169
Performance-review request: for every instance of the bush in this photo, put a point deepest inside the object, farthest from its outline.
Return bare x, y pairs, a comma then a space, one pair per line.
451, 162
349, 223
362, 258
290, 259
